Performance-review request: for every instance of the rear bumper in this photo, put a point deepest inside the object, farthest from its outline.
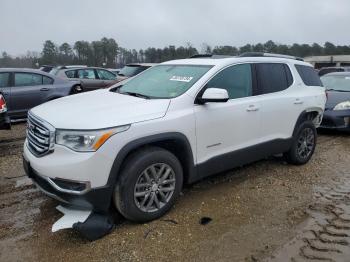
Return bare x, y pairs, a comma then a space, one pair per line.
339, 120
5, 122
96, 199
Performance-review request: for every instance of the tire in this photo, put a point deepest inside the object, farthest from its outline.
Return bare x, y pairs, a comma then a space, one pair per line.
304, 144
134, 190
76, 89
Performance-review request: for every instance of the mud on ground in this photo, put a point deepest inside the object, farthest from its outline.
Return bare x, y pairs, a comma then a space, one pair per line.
265, 211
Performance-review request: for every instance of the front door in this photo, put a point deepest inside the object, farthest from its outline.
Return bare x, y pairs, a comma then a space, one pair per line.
232, 126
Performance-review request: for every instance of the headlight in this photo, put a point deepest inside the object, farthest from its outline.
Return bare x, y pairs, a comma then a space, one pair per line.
86, 141
342, 106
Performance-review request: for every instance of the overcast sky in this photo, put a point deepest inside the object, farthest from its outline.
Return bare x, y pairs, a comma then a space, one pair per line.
26, 24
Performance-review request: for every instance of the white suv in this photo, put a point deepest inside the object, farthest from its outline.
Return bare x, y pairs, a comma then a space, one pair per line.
137, 144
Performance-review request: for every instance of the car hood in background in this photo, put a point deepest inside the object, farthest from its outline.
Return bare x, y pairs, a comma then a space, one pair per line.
100, 109
335, 98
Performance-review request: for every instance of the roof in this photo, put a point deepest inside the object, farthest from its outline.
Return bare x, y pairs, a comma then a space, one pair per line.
233, 60
142, 64
24, 70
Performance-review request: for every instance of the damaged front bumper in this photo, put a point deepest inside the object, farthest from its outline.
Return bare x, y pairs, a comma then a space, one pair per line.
96, 199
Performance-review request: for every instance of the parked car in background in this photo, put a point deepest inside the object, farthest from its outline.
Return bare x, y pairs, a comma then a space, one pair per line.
114, 70
4, 119
90, 78
134, 69
27, 88
138, 143
46, 68
326, 70
337, 113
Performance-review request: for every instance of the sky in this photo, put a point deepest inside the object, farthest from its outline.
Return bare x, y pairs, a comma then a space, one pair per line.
26, 24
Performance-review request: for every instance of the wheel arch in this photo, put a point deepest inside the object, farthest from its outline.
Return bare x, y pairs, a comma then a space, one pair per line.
313, 113
176, 143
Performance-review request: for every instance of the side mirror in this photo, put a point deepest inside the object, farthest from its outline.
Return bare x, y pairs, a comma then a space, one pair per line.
214, 95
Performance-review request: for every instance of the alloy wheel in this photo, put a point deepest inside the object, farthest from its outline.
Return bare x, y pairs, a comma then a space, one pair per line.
306, 142
154, 187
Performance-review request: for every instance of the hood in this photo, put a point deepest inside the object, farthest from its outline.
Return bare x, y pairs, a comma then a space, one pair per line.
335, 98
100, 109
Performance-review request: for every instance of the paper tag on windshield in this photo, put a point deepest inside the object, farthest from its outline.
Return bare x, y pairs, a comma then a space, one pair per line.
181, 78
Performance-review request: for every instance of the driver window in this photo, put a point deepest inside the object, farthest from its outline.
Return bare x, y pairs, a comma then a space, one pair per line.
237, 80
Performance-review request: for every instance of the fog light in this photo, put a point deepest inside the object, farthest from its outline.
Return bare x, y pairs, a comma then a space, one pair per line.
70, 186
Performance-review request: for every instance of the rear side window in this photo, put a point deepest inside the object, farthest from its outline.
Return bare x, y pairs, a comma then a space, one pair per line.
28, 79
4, 79
70, 74
47, 80
309, 75
273, 77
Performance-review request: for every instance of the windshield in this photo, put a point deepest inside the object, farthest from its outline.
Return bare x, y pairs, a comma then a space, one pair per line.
165, 81
54, 70
340, 83
130, 70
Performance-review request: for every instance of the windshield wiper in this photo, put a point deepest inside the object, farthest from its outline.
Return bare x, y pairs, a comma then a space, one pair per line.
121, 74
135, 94
331, 89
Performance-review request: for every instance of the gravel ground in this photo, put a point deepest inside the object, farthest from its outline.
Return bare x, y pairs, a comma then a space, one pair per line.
267, 211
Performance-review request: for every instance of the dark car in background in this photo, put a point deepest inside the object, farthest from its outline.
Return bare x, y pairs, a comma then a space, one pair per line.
134, 69
46, 68
4, 118
24, 89
326, 70
337, 112
90, 78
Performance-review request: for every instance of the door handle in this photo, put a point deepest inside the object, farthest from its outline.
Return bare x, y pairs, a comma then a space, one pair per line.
298, 102
252, 108
44, 89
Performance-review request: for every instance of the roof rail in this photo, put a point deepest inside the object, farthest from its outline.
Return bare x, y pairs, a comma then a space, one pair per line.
213, 56
261, 54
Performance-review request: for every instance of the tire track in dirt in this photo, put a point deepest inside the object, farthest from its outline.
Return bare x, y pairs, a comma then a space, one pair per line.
326, 236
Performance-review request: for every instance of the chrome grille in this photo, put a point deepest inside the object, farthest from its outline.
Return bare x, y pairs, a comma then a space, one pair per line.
40, 136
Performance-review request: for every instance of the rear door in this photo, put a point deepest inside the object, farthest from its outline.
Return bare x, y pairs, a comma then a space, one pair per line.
26, 93
108, 78
280, 100
89, 79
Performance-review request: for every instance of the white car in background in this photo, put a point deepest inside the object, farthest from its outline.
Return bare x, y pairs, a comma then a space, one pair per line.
174, 123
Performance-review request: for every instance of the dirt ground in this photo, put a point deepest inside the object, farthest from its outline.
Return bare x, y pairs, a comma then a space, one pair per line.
266, 211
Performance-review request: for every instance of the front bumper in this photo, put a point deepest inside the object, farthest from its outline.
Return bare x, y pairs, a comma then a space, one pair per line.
339, 120
89, 169
97, 199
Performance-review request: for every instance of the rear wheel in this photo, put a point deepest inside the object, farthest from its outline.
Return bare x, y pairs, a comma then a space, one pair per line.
304, 144
76, 89
150, 182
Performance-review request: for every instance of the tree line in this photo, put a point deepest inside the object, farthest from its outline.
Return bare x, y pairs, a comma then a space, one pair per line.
107, 53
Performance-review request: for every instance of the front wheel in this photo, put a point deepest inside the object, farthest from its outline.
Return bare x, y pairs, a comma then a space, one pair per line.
304, 144
149, 184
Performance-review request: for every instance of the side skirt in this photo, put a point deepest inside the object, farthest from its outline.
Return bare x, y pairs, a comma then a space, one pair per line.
241, 157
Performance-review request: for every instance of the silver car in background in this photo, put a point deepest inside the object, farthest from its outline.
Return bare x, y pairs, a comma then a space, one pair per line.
24, 89
90, 78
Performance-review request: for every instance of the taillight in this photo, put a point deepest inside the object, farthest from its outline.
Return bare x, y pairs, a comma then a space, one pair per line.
3, 107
